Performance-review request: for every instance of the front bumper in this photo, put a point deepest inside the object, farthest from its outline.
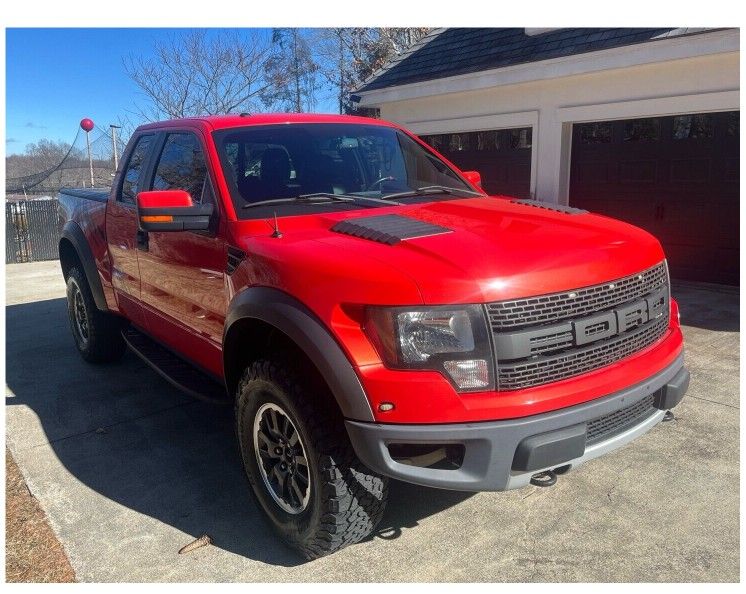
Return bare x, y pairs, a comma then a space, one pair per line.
501, 455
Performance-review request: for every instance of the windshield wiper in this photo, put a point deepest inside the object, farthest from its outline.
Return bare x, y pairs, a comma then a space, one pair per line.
346, 197
431, 190
310, 198
318, 197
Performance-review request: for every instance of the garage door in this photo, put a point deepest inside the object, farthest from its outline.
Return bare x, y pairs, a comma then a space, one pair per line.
676, 177
503, 157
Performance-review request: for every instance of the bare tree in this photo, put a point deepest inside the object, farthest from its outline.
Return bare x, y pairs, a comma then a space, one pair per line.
333, 56
292, 72
197, 74
351, 55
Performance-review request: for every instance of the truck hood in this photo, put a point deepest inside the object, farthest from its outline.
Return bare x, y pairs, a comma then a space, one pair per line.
495, 249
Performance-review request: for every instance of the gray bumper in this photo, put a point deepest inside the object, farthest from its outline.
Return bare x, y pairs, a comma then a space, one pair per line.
500, 455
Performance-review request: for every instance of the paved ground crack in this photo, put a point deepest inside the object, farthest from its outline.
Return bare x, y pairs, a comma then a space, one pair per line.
109, 426
714, 402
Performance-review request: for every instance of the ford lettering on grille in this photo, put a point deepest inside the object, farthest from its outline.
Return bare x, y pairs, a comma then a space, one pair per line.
538, 353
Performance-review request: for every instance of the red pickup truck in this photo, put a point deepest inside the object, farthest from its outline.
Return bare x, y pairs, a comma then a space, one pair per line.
370, 312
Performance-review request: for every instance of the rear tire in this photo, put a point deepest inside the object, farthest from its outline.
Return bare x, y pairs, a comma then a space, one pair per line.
323, 498
97, 334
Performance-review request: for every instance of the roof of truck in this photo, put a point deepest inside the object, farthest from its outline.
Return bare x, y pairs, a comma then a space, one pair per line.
219, 122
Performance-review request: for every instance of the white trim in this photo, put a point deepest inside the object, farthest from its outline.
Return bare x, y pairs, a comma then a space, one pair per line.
658, 106
658, 50
495, 121
471, 123
565, 147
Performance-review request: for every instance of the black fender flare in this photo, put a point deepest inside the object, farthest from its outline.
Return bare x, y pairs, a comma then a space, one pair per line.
302, 326
74, 234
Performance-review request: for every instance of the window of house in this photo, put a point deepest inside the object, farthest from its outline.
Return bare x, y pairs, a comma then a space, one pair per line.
733, 123
643, 130
131, 181
434, 140
595, 133
459, 142
692, 126
181, 166
488, 140
520, 138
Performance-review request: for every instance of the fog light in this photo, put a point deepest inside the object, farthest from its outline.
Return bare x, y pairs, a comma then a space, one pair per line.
469, 374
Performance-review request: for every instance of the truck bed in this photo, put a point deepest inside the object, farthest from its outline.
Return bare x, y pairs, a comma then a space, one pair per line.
99, 195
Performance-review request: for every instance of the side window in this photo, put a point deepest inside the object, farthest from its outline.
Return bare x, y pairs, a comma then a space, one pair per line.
131, 182
181, 166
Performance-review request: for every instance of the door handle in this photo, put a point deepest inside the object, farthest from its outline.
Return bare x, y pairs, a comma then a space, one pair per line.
142, 240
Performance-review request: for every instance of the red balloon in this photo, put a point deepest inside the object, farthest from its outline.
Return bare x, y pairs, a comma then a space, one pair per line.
86, 124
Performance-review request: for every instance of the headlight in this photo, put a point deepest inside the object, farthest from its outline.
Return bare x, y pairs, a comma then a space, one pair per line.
450, 339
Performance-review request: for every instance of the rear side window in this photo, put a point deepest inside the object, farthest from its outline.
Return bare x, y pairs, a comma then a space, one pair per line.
131, 183
181, 166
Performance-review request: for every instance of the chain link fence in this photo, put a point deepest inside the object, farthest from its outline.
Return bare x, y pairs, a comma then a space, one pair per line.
31, 230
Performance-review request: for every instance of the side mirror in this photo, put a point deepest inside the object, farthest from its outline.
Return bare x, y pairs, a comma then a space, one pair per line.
171, 210
473, 177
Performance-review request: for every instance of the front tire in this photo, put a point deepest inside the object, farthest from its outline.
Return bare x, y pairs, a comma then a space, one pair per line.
303, 471
97, 334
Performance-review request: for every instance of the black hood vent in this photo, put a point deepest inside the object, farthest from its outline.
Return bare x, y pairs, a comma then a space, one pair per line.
388, 229
551, 206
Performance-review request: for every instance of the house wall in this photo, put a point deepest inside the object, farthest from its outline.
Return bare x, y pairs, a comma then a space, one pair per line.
552, 105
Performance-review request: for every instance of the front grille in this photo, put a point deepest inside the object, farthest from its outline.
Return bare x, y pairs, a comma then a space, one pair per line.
619, 421
545, 369
551, 342
559, 306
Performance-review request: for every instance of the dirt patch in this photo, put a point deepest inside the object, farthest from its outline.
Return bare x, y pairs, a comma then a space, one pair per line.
32, 551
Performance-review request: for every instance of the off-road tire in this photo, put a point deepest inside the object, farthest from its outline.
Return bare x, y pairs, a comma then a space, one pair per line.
347, 499
103, 342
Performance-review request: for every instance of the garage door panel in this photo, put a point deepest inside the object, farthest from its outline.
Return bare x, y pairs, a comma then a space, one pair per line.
502, 157
690, 170
677, 177
592, 173
638, 171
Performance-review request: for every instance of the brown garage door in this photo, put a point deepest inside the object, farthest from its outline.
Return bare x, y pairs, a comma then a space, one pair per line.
676, 177
503, 157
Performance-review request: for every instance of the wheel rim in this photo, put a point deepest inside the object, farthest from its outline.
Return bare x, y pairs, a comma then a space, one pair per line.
80, 316
281, 458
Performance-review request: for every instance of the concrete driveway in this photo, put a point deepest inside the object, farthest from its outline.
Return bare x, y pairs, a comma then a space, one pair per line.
129, 470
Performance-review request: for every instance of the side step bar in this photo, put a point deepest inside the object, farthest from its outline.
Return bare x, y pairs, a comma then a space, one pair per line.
174, 369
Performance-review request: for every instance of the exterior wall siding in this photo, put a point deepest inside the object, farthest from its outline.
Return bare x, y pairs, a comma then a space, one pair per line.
550, 106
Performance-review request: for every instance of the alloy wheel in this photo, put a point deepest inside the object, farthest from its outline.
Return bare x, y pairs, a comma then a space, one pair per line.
80, 316
281, 458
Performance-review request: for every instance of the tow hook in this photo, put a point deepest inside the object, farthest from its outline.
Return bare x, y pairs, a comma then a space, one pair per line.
544, 479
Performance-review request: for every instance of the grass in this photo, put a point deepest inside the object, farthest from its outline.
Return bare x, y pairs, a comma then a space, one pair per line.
32, 551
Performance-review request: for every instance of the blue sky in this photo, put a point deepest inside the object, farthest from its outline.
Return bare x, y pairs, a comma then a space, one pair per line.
55, 77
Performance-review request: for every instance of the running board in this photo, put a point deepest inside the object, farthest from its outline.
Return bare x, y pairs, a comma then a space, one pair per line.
174, 369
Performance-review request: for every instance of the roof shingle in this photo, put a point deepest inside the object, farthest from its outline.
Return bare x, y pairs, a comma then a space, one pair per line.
460, 51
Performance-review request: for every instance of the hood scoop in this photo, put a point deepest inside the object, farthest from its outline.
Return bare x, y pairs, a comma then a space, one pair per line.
388, 229
551, 206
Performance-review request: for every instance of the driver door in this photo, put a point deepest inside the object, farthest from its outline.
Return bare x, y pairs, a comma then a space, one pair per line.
182, 272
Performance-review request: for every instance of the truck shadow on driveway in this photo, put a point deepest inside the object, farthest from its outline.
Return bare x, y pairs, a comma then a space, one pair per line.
128, 435
708, 307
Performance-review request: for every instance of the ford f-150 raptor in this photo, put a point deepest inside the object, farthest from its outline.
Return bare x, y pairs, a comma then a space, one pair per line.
369, 311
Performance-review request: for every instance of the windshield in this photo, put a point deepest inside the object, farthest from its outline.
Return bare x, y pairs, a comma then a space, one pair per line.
287, 161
